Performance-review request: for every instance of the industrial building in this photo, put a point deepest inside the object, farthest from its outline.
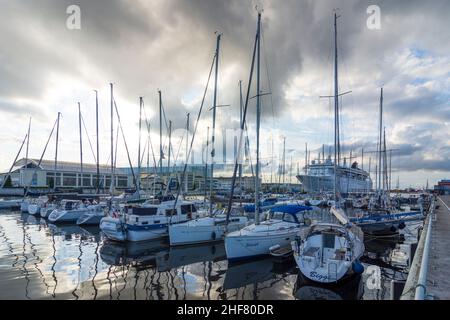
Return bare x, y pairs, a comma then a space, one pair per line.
443, 187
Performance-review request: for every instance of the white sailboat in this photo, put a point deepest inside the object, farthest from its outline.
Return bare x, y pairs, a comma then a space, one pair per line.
327, 252
207, 229
281, 227
47, 208
214, 227
71, 210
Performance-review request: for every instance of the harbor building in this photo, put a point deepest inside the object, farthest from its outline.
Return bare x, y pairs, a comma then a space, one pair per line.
443, 187
66, 175
43, 176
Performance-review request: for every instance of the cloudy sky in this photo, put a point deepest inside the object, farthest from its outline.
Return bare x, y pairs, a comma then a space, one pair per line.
142, 46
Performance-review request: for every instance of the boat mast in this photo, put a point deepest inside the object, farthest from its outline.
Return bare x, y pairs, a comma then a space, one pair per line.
306, 157
170, 144
241, 133
187, 152
258, 118
241, 106
160, 134
284, 162
141, 102
206, 163
56, 150
213, 151
380, 140
111, 185
336, 111
96, 128
81, 143
26, 155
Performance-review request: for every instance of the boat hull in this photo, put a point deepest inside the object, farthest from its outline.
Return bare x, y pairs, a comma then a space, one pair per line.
243, 247
115, 229
34, 209
189, 233
65, 216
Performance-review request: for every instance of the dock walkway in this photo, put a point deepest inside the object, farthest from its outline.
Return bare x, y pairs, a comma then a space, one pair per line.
438, 279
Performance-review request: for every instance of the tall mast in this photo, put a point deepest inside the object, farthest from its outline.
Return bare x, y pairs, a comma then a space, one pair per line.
306, 157
81, 142
111, 186
213, 138
187, 152
141, 102
26, 154
206, 162
336, 111
284, 160
170, 144
241, 106
241, 133
380, 140
56, 150
160, 134
96, 129
258, 118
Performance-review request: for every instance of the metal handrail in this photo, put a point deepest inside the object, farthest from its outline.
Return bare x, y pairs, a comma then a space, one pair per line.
422, 282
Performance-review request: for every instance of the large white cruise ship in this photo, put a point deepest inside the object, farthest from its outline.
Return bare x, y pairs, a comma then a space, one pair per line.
319, 177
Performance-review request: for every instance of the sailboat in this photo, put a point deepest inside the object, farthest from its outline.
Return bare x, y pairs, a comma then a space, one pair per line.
72, 210
327, 252
284, 221
214, 227
382, 218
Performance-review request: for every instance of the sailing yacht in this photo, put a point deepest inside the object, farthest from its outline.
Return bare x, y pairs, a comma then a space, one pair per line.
327, 252
326, 175
71, 210
281, 227
207, 229
284, 221
216, 225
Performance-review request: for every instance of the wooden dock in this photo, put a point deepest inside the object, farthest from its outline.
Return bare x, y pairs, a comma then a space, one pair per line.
438, 279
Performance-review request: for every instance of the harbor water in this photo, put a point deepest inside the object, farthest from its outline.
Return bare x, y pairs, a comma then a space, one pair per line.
39, 260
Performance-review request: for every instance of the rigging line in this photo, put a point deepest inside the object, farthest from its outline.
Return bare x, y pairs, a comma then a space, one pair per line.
143, 151
125, 143
151, 147
89, 140
167, 129
195, 130
43, 152
267, 74
147, 122
178, 152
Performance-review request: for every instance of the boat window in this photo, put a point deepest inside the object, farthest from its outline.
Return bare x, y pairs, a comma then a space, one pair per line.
328, 240
170, 212
277, 215
145, 211
188, 208
289, 218
300, 217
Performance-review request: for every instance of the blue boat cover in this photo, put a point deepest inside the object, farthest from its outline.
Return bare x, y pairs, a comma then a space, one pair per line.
290, 208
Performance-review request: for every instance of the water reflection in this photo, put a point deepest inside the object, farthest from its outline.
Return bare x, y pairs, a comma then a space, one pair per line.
351, 289
39, 260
